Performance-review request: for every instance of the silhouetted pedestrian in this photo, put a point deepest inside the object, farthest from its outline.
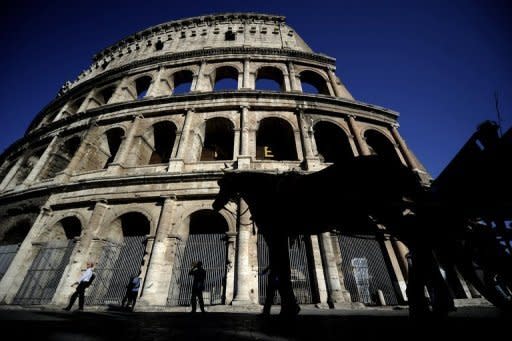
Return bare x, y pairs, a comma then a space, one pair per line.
132, 291
197, 285
84, 282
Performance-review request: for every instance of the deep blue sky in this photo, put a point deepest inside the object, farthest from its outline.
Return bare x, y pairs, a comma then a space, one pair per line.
438, 63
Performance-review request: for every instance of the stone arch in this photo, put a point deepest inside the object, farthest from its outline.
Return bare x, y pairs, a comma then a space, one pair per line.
275, 140
61, 157
204, 229
269, 78
141, 86
26, 167
115, 222
379, 144
16, 233
216, 138
225, 78
182, 81
73, 106
104, 149
332, 142
124, 245
61, 229
161, 137
105, 94
313, 82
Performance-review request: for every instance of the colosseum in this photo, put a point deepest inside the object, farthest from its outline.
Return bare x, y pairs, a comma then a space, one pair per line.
121, 169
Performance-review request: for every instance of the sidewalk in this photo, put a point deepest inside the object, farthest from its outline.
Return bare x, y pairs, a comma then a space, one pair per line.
468, 323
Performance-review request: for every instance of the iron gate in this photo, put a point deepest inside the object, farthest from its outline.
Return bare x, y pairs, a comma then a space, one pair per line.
209, 248
45, 273
365, 271
302, 282
118, 262
7, 253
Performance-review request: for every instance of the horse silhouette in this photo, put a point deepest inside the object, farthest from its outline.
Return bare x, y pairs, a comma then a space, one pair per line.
359, 195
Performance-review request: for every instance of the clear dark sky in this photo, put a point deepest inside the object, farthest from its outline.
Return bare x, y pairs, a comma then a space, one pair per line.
438, 63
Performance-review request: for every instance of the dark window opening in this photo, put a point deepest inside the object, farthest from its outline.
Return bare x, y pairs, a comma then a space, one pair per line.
61, 159
378, 144
72, 227
134, 224
332, 143
17, 233
269, 78
159, 45
182, 82
142, 86
114, 139
207, 221
73, 107
226, 78
312, 82
164, 135
106, 94
275, 140
218, 142
230, 36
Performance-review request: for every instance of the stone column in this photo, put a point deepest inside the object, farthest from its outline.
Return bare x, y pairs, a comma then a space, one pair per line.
82, 253
244, 159
176, 164
158, 277
247, 75
335, 291
156, 85
293, 78
319, 271
85, 104
11, 173
356, 131
396, 267
124, 149
118, 95
401, 251
411, 162
43, 160
230, 271
197, 81
15, 274
243, 279
312, 162
339, 89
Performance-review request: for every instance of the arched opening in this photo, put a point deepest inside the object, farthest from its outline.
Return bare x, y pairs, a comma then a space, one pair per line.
122, 257
182, 82
61, 157
219, 137
226, 78
312, 82
106, 94
142, 86
51, 259
114, 138
275, 140
164, 136
10, 242
206, 242
269, 78
332, 143
380, 145
74, 106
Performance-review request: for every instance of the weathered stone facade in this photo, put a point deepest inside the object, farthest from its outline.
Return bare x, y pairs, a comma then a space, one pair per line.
123, 152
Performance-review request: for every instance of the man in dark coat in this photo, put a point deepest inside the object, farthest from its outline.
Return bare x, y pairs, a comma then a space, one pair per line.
198, 285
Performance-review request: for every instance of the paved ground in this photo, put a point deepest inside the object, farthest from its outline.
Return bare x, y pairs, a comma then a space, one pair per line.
468, 323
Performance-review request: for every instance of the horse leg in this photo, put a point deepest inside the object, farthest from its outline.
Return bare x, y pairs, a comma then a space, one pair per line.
418, 304
279, 259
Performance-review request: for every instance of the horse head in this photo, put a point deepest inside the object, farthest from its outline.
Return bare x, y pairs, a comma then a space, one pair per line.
228, 189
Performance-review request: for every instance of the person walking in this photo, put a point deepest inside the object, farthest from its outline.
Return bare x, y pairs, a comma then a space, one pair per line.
83, 283
132, 290
199, 275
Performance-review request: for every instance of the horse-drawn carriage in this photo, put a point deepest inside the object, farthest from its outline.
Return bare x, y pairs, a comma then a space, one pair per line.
463, 216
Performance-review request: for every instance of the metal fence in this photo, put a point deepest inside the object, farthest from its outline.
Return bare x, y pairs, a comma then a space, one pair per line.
45, 273
7, 253
365, 270
304, 288
211, 250
118, 262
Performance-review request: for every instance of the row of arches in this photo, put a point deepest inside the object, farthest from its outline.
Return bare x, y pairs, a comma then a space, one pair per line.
213, 140
222, 78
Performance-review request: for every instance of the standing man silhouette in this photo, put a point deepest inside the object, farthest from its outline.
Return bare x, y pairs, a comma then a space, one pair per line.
83, 283
197, 285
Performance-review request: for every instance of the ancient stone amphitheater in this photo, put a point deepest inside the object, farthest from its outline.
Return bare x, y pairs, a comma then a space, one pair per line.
121, 169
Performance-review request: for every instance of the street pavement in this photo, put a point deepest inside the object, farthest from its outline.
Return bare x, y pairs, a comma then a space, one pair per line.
484, 323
